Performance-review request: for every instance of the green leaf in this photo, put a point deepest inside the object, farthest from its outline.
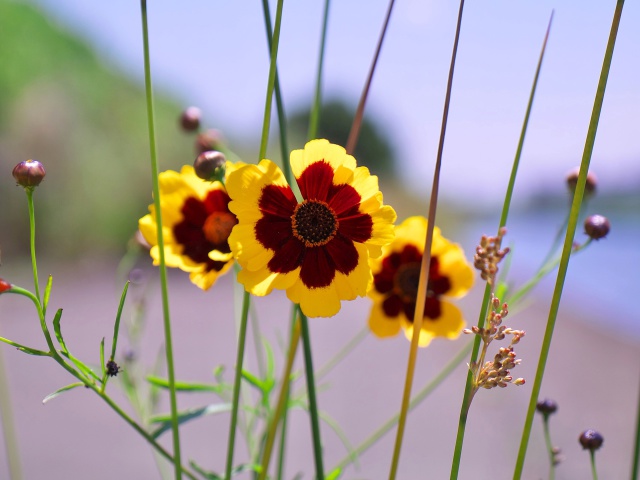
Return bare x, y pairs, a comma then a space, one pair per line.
58, 331
185, 416
334, 475
22, 348
116, 326
85, 369
47, 294
206, 474
53, 395
264, 386
187, 386
102, 364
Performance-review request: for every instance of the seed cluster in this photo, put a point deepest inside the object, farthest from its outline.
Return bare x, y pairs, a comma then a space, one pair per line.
497, 372
314, 223
488, 255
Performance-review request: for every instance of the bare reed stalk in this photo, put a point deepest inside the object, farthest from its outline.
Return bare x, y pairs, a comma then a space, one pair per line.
426, 261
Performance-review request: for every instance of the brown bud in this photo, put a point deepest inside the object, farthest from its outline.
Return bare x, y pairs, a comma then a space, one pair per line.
591, 440
112, 368
590, 186
29, 173
190, 119
4, 285
209, 140
597, 226
210, 165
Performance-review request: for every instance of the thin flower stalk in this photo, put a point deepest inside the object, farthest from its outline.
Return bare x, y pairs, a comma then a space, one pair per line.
8, 426
314, 121
246, 299
354, 133
242, 336
163, 269
283, 397
635, 463
466, 398
311, 393
568, 242
594, 471
282, 122
426, 261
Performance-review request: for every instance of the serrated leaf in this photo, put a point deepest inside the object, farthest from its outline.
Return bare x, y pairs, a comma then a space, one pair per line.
66, 388
165, 420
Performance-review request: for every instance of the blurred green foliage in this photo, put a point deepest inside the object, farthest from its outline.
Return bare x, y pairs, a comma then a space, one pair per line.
86, 122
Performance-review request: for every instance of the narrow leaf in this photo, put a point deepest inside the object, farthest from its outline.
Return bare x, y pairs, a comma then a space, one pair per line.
66, 388
102, 364
58, 331
116, 326
22, 348
187, 386
47, 294
186, 416
334, 475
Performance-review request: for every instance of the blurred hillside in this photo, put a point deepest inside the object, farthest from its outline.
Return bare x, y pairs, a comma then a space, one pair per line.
60, 104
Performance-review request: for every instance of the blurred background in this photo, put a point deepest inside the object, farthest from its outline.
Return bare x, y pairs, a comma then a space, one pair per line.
71, 96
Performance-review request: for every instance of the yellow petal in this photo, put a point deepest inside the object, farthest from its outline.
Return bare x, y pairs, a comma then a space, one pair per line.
382, 325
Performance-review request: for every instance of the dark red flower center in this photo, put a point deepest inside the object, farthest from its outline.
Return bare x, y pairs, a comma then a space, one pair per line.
319, 234
314, 223
205, 226
399, 278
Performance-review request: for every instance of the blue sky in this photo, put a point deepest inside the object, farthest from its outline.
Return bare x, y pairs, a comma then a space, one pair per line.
213, 54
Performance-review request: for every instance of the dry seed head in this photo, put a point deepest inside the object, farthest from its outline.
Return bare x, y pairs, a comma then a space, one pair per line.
489, 254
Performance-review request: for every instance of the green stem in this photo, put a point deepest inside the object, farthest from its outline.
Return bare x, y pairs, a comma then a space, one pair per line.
311, 390
568, 242
271, 82
242, 336
283, 397
314, 121
547, 441
8, 427
426, 260
469, 385
635, 465
282, 121
594, 472
282, 447
160, 236
415, 401
116, 330
32, 240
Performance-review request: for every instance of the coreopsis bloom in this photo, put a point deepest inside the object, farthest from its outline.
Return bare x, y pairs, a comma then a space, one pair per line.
395, 284
196, 225
316, 249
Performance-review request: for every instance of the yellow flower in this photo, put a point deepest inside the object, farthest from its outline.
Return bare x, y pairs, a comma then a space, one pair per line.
318, 249
196, 225
395, 284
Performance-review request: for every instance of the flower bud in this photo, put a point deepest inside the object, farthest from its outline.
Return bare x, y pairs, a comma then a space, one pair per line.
190, 119
4, 285
590, 186
112, 368
591, 440
209, 140
546, 407
29, 173
210, 165
597, 226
